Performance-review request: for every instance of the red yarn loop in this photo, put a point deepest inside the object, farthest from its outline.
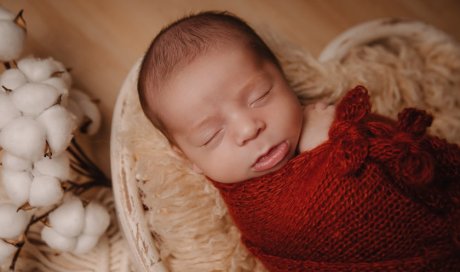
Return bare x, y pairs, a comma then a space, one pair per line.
354, 106
404, 156
415, 165
414, 121
416, 168
351, 147
348, 132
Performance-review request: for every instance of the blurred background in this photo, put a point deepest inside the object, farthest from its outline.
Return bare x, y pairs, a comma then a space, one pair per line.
101, 39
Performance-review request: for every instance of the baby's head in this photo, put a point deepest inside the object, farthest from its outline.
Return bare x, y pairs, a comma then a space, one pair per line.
218, 93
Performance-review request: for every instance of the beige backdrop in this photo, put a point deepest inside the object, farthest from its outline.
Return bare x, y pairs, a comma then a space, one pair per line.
101, 39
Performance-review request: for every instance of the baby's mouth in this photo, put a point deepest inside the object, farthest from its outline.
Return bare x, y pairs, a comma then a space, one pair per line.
272, 157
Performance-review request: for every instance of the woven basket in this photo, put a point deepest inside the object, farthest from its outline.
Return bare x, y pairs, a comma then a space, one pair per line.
310, 78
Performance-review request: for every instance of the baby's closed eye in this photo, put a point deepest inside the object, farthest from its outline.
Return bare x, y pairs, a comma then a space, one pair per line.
260, 98
212, 137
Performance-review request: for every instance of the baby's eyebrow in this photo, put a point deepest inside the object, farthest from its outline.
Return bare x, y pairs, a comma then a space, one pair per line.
253, 82
200, 123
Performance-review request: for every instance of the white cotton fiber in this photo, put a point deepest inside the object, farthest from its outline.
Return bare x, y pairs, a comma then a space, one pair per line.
57, 166
76, 111
12, 79
45, 191
85, 243
6, 14
12, 40
63, 73
59, 125
8, 110
35, 69
33, 98
58, 241
97, 219
59, 84
13, 222
17, 185
6, 251
11, 162
69, 218
24, 137
89, 109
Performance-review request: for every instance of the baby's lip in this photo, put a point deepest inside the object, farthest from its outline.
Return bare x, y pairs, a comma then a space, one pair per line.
271, 157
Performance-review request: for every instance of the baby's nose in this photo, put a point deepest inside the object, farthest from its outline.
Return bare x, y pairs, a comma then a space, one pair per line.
248, 129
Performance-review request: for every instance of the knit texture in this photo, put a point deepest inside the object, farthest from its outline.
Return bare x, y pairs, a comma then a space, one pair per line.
379, 195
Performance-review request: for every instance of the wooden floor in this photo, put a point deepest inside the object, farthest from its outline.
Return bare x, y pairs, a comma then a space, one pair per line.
101, 39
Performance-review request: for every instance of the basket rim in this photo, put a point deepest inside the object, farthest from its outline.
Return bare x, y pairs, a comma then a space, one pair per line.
128, 205
373, 30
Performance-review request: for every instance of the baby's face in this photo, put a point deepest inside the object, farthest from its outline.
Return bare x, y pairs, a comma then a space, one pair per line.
232, 114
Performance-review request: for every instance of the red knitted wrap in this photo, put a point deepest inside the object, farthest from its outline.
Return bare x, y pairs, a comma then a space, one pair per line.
379, 195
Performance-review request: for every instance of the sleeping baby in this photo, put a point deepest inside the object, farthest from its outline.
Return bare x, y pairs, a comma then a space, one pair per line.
315, 188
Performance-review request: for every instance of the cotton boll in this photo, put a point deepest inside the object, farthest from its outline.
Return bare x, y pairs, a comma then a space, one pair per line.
45, 191
35, 69
63, 73
17, 185
97, 219
89, 109
8, 110
76, 111
57, 166
33, 98
24, 137
69, 218
6, 14
15, 163
12, 79
85, 243
12, 41
92, 112
60, 86
59, 125
13, 222
58, 241
39, 70
6, 251
78, 95
12, 35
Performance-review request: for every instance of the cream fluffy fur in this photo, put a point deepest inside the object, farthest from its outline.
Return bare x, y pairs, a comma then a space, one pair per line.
186, 216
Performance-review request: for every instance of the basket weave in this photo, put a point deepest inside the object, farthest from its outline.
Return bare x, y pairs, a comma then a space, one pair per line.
173, 219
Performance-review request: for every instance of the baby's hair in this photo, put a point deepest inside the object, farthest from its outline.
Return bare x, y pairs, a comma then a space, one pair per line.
181, 42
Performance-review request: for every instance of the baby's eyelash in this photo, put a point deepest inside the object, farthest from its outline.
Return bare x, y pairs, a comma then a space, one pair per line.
264, 95
213, 136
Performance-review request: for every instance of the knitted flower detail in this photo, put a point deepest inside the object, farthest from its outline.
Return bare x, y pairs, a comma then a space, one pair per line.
348, 134
415, 163
404, 152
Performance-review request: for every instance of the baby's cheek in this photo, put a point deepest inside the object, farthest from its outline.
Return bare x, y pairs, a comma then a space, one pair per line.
221, 168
